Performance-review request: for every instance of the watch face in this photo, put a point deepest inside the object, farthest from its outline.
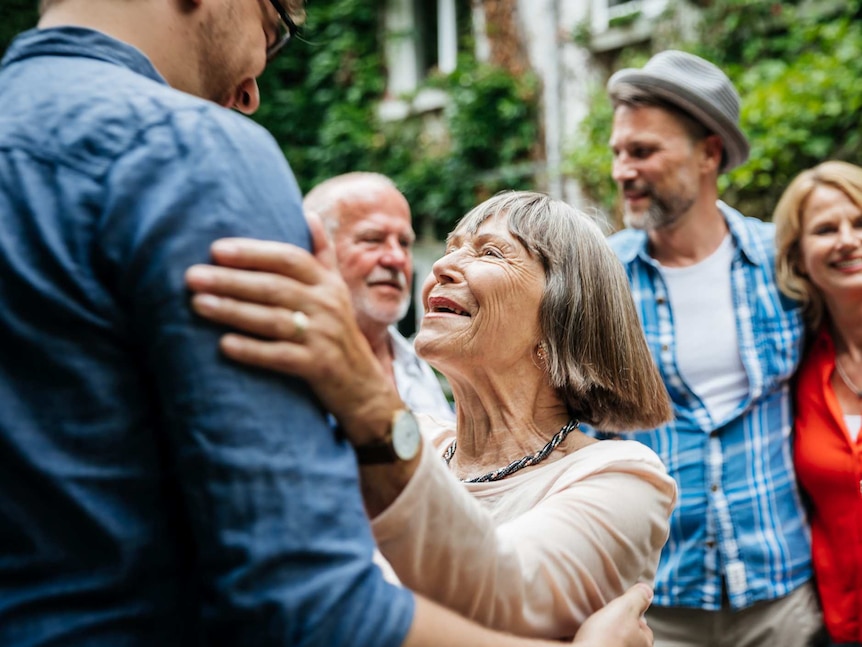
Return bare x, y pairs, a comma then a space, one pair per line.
406, 437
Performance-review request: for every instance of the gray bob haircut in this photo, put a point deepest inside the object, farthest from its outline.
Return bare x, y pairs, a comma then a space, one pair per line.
596, 353
787, 217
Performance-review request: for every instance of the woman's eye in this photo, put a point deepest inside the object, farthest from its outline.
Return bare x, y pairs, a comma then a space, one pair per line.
824, 230
491, 251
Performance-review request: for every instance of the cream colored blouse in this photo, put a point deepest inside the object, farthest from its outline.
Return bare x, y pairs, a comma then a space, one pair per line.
537, 552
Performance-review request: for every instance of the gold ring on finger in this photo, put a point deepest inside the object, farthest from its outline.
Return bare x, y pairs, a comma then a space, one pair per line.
300, 323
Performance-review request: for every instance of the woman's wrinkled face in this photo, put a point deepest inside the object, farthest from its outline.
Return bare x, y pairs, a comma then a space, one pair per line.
482, 301
831, 242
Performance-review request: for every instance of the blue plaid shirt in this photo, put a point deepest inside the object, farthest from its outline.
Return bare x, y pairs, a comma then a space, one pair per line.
740, 518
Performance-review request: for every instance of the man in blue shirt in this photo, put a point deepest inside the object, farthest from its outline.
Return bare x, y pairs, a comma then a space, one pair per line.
736, 569
151, 492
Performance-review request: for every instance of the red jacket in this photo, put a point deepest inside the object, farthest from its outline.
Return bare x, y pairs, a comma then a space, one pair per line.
829, 468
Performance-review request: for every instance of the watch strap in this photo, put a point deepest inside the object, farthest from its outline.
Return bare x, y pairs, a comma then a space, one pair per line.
376, 453
402, 441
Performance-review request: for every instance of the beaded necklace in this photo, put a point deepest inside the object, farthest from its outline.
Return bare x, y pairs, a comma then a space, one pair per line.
511, 468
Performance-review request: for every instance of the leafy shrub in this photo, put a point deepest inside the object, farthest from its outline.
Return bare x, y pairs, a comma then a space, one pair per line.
796, 66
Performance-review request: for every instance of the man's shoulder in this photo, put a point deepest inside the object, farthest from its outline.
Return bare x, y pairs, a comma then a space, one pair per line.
118, 111
174, 122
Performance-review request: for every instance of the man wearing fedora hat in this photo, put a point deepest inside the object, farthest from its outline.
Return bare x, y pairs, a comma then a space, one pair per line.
736, 568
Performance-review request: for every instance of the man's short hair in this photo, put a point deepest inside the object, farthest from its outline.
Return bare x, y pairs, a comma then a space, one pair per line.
328, 198
627, 94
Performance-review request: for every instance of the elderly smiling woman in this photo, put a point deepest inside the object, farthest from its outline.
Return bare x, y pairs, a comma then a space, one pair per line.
514, 517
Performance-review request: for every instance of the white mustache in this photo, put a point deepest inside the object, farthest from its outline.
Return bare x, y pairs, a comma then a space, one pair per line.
383, 275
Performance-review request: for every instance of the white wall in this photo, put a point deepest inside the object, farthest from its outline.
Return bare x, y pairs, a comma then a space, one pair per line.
567, 75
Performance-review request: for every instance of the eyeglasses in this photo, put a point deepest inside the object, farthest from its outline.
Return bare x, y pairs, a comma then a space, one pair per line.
286, 30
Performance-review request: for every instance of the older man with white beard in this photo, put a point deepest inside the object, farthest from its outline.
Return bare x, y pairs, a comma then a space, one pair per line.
370, 223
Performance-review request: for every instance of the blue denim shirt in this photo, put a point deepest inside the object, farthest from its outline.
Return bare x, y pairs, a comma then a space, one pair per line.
152, 492
739, 521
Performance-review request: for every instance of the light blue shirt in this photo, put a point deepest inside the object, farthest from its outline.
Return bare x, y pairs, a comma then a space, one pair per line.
740, 518
417, 383
151, 491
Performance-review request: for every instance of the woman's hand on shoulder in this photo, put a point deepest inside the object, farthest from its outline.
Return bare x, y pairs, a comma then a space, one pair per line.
295, 315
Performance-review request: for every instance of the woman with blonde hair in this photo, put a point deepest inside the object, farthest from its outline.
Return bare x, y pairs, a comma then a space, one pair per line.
819, 263
513, 516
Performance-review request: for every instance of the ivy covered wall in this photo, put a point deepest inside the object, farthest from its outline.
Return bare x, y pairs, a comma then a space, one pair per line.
320, 101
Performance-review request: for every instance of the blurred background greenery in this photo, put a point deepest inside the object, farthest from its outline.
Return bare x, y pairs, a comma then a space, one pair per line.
797, 65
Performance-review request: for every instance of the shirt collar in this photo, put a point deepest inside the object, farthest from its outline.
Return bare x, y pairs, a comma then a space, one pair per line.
402, 349
637, 241
79, 41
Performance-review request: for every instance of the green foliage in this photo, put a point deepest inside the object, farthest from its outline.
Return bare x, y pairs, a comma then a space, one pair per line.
18, 15
624, 20
796, 66
589, 162
491, 120
317, 97
489, 129
320, 99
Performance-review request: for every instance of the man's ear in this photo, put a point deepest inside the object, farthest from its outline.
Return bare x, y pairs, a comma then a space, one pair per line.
713, 149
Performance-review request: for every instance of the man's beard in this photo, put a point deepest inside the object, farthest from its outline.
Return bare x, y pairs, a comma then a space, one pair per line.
366, 305
662, 213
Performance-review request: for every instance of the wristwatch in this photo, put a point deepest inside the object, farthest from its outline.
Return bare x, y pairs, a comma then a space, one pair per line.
402, 443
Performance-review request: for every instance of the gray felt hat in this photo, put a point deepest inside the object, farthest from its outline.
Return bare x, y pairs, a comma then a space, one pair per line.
697, 87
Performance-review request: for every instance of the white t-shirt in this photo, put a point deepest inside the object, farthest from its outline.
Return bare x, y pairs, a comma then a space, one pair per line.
853, 422
704, 320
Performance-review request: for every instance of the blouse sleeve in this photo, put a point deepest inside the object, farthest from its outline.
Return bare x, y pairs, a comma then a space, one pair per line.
595, 532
